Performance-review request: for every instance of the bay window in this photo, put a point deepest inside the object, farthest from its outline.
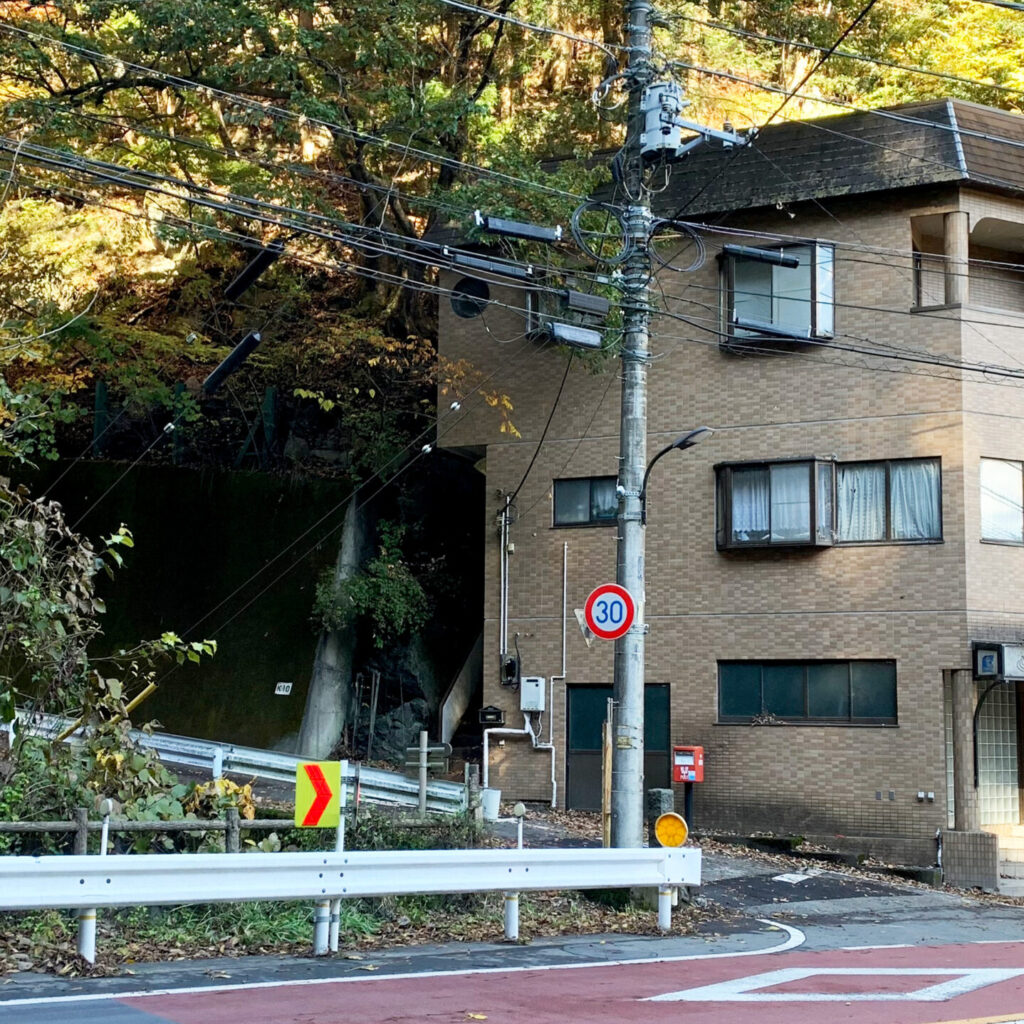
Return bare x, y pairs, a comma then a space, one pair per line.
817, 503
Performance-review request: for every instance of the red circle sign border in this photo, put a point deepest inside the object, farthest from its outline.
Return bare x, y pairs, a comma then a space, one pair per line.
588, 608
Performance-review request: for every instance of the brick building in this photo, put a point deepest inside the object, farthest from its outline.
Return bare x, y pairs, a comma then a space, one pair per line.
818, 570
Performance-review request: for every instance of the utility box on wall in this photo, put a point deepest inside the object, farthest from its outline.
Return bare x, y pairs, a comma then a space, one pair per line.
687, 764
531, 693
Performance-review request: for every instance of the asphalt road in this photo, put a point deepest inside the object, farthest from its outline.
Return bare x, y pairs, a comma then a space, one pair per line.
806, 947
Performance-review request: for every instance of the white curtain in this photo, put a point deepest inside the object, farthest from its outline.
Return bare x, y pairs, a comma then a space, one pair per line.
914, 494
749, 505
861, 499
1002, 500
791, 503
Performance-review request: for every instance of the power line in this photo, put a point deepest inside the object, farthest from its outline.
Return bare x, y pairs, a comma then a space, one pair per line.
787, 97
372, 241
883, 112
982, 368
946, 76
269, 109
605, 48
544, 432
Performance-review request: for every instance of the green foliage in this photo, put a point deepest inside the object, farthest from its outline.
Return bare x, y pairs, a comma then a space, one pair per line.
385, 593
376, 830
29, 419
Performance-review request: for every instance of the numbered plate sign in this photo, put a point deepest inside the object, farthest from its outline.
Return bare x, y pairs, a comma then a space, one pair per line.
609, 611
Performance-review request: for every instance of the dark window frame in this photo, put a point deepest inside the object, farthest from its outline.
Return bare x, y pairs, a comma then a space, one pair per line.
728, 271
888, 538
806, 718
724, 540
593, 520
819, 538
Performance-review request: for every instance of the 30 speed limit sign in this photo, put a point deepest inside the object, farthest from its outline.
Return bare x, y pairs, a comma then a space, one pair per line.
609, 611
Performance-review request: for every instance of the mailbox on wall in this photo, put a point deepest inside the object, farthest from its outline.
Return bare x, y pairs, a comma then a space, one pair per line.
687, 764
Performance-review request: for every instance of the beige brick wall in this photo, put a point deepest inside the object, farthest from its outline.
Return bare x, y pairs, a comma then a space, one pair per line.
911, 603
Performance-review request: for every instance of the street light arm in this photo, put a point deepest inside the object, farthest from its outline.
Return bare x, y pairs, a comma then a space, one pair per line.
687, 440
647, 476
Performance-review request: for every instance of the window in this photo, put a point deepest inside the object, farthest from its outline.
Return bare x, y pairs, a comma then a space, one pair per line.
814, 503
829, 692
587, 501
894, 501
469, 297
1002, 501
776, 503
765, 297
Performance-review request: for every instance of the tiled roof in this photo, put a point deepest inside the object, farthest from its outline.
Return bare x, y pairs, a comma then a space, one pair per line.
852, 154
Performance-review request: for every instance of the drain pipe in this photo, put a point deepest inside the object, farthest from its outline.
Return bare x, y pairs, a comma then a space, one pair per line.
527, 729
550, 745
499, 731
537, 745
503, 582
561, 675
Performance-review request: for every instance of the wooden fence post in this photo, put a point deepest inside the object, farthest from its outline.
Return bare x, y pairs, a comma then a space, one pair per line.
232, 834
81, 830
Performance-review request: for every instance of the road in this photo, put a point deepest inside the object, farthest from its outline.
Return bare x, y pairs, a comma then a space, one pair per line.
803, 947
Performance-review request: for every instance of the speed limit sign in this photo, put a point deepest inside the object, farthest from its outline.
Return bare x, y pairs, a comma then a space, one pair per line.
609, 611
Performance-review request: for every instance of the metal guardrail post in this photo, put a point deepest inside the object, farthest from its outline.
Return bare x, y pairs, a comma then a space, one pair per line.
665, 908
424, 753
86, 943
512, 916
512, 898
87, 916
321, 927
339, 846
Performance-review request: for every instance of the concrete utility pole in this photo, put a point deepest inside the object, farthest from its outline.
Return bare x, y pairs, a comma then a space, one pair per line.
628, 751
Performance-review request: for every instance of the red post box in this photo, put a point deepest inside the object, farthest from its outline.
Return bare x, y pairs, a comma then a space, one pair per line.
687, 764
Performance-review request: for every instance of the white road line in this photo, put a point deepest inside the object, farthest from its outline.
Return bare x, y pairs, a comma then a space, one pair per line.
751, 989
895, 945
795, 938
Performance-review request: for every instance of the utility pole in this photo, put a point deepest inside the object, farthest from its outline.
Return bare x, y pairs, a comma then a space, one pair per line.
628, 690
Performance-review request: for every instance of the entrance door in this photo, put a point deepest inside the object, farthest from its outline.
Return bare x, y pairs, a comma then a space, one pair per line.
586, 711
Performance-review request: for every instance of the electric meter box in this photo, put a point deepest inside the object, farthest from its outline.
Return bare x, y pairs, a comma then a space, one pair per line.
531, 693
687, 764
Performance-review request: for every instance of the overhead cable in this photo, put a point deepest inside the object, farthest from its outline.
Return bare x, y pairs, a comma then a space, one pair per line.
269, 109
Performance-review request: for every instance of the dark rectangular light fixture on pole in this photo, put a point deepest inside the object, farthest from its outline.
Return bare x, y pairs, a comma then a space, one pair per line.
500, 268
583, 302
234, 359
776, 256
517, 228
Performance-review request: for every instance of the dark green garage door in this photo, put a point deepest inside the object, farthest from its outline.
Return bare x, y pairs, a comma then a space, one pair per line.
586, 711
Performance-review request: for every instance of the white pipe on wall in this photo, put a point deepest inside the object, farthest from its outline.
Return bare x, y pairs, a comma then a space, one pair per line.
500, 731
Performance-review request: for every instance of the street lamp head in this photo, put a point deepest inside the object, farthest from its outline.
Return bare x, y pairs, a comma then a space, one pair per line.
690, 438
681, 443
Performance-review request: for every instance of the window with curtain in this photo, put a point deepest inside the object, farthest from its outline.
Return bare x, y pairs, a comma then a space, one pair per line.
1002, 501
818, 503
587, 501
894, 501
776, 503
824, 692
765, 298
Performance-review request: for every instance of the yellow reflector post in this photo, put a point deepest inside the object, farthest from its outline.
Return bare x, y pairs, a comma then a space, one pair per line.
671, 829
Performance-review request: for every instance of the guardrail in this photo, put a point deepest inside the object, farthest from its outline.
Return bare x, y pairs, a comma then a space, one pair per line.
372, 785
40, 883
